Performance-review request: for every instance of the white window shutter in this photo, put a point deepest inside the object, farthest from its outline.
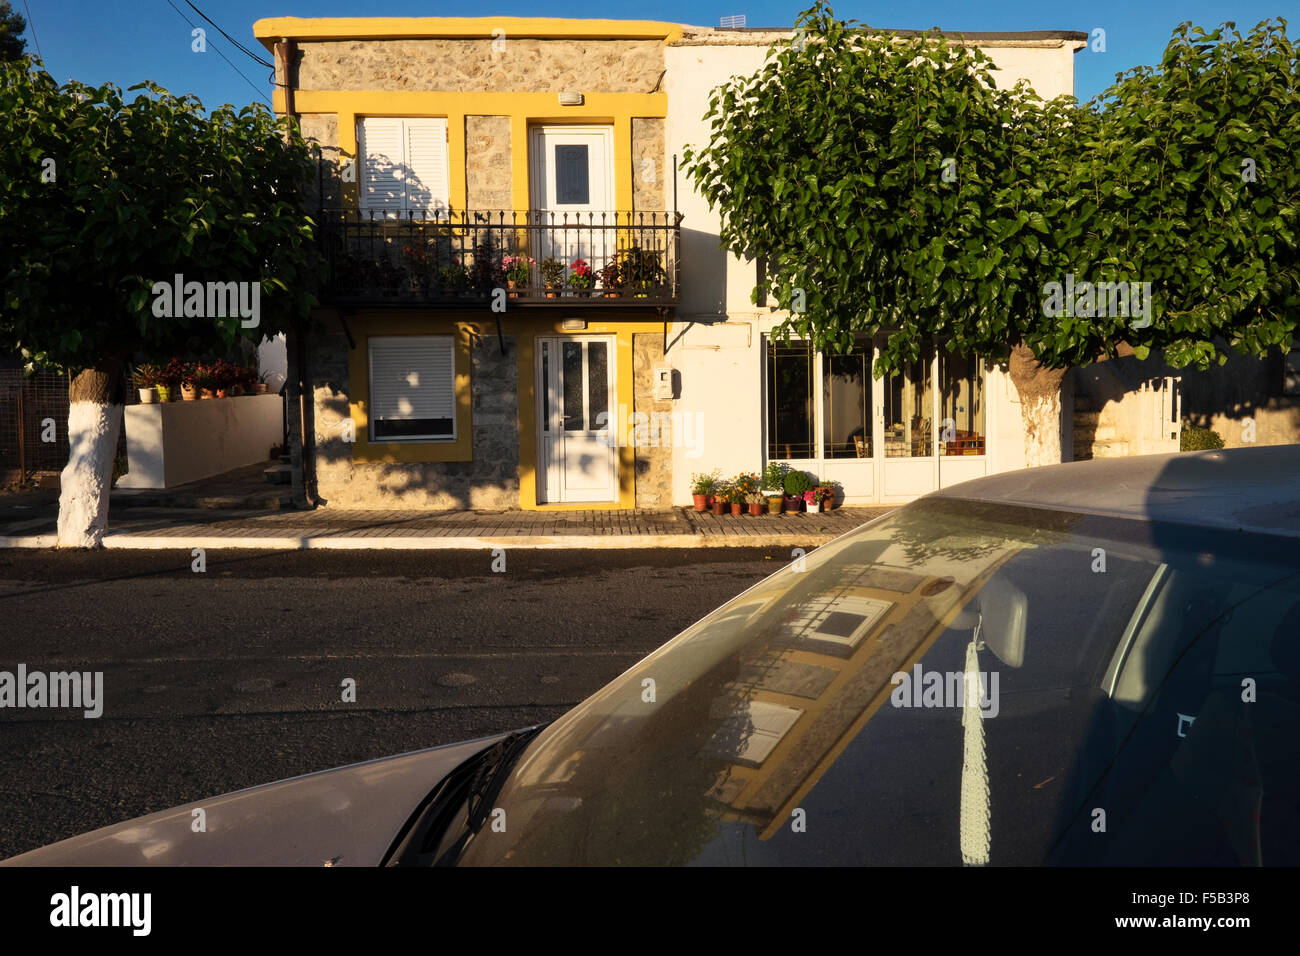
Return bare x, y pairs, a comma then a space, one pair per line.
426, 158
383, 165
412, 377
404, 166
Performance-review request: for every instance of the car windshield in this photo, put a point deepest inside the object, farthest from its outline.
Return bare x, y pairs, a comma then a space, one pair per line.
958, 682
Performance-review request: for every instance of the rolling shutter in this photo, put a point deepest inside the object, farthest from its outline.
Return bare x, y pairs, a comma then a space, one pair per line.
413, 379
404, 166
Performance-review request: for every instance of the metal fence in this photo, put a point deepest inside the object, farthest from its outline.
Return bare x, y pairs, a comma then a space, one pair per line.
33, 422
542, 257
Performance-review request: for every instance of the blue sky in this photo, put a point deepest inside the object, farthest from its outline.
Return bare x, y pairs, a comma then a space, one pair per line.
127, 41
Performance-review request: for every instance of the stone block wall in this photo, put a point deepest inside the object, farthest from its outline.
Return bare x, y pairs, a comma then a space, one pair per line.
526, 64
490, 482
487, 174
651, 170
651, 425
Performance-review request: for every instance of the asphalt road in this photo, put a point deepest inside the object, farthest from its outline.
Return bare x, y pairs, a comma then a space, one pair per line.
232, 677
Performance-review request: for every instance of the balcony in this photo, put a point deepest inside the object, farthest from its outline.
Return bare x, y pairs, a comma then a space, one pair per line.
541, 259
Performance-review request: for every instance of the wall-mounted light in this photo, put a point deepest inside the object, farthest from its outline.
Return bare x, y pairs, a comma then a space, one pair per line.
571, 99
573, 325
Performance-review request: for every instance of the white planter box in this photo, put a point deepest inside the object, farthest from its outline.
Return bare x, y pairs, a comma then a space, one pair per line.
171, 443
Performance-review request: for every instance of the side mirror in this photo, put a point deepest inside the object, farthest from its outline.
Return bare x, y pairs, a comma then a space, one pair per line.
1005, 612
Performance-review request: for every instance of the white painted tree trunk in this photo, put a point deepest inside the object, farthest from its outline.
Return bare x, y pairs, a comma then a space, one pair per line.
1042, 415
86, 481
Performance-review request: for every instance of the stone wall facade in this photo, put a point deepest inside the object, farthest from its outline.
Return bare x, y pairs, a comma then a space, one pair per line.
322, 129
487, 173
652, 425
526, 64
651, 171
490, 482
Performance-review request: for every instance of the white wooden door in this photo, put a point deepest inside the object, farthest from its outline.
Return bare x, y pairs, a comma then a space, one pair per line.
572, 187
575, 393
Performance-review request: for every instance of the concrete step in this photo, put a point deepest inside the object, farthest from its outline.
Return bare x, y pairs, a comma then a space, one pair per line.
280, 474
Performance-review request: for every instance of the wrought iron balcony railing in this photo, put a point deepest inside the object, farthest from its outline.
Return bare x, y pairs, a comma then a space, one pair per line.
538, 258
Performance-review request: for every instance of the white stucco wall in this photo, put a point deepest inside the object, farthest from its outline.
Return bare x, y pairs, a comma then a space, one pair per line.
716, 342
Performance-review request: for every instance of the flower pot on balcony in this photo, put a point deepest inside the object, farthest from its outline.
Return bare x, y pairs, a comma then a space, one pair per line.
164, 392
148, 396
551, 293
737, 509
719, 507
223, 393
774, 503
510, 285
701, 502
755, 510
813, 506
189, 393
207, 393
260, 388
793, 504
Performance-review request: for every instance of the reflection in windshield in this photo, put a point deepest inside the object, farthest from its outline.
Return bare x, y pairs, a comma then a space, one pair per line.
918, 694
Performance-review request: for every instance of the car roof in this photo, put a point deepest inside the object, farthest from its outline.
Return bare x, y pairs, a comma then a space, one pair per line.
1246, 489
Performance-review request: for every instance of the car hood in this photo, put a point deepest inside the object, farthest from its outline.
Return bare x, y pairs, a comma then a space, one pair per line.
344, 817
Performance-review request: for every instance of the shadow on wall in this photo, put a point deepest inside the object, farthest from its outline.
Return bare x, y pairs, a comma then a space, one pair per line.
706, 291
1242, 400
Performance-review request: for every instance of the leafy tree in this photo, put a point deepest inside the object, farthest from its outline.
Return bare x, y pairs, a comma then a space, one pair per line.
12, 26
893, 188
103, 197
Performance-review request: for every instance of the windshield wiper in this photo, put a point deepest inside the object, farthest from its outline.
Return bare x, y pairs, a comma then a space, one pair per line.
468, 792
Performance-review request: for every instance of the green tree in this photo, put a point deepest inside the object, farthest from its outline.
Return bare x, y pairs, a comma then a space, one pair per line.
103, 201
12, 26
893, 188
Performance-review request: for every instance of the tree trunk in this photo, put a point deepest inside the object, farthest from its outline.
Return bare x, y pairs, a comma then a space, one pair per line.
94, 422
1040, 406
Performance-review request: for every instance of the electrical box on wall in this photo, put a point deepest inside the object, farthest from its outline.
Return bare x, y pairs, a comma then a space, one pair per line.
663, 382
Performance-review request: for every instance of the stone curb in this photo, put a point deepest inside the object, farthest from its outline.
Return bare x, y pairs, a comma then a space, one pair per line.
342, 542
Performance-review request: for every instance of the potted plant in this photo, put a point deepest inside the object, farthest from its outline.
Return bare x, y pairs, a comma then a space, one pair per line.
189, 381
736, 499
262, 386
145, 378
581, 278
454, 279
204, 382
810, 500
796, 483
642, 269
419, 265
721, 497
170, 380
755, 502
519, 270
611, 279
827, 494
552, 277
702, 486
774, 486
746, 484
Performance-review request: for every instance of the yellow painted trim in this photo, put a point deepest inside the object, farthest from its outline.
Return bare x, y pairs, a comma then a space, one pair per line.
526, 335
272, 29
538, 107
524, 109
364, 451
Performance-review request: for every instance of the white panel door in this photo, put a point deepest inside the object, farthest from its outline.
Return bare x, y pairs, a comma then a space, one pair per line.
572, 181
577, 460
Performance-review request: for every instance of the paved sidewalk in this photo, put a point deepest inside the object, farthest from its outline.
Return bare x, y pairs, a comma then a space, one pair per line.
185, 528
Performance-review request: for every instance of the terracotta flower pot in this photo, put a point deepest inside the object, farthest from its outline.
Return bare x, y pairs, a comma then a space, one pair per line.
737, 508
774, 503
189, 393
701, 502
223, 393
719, 507
756, 509
206, 393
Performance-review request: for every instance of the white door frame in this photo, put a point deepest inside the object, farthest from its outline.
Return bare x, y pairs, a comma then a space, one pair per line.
554, 443
539, 182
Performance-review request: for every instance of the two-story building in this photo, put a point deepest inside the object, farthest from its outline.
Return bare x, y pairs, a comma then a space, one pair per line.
526, 309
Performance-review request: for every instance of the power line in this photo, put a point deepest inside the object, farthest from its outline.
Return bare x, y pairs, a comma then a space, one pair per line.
239, 46
32, 26
217, 50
